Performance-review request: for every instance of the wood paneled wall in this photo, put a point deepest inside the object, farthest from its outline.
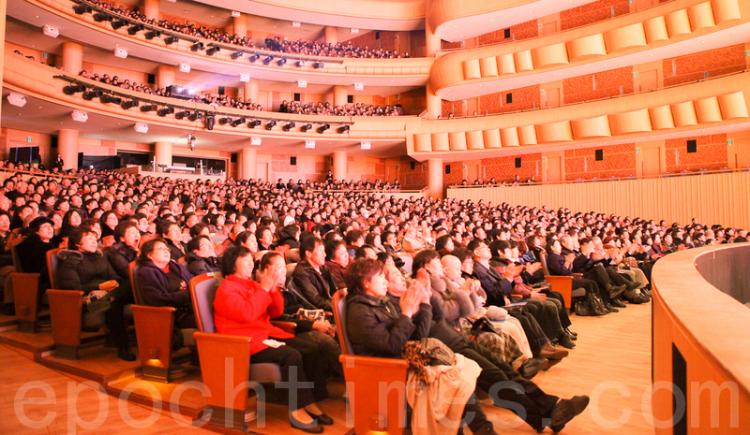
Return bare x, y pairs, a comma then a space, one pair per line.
712, 198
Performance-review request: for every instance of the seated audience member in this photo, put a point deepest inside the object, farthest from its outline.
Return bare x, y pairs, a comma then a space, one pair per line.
337, 260
172, 236
201, 257
264, 236
162, 282
83, 267
557, 264
311, 277
33, 249
125, 250
245, 307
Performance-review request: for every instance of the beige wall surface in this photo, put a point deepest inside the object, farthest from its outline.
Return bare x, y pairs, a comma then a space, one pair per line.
712, 198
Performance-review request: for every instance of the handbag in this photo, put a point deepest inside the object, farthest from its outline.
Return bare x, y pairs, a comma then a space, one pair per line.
99, 305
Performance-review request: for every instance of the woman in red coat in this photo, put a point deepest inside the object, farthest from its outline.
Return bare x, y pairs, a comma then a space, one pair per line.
245, 307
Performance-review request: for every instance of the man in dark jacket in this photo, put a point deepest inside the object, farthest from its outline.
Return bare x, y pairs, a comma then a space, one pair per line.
122, 253
561, 263
311, 277
86, 269
201, 257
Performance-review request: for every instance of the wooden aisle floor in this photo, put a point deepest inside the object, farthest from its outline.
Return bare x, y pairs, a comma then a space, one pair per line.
612, 364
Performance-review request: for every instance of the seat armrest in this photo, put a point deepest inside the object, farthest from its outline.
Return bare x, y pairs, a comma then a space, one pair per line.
225, 369
286, 326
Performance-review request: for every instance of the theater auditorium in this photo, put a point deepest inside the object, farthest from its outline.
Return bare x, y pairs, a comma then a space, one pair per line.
375, 217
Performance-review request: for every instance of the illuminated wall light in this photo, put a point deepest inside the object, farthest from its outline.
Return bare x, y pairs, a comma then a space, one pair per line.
301, 83
309, 144
255, 140
185, 67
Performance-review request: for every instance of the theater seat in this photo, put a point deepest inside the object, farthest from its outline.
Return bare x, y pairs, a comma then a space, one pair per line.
224, 361
26, 299
375, 387
562, 284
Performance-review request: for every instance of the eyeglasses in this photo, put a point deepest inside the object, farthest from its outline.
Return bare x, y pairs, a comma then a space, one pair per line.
161, 248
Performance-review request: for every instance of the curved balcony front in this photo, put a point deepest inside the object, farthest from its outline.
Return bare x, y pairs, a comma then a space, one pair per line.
322, 70
672, 29
45, 85
456, 21
362, 14
718, 105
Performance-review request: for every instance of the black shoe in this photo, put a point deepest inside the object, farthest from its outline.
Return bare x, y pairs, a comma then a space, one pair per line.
566, 342
320, 418
125, 354
617, 303
530, 368
611, 308
616, 290
313, 427
571, 332
566, 410
486, 429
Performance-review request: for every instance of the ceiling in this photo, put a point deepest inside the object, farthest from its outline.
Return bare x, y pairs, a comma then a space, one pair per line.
45, 117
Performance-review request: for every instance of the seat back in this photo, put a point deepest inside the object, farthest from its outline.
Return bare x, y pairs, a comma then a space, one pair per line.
290, 270
292, 255
14, 257
145, 238
203, 291
339, 316
52, 263
543, 260
133, 274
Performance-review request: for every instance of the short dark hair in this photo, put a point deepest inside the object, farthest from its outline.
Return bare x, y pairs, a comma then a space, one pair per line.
308, 244
195, 243
229, 259
361, 252
122, 227
358, 272
331, 246
74, 239
265, 260
148, 248
422, 258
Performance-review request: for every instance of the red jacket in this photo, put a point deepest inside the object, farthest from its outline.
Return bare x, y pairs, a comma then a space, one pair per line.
242, 307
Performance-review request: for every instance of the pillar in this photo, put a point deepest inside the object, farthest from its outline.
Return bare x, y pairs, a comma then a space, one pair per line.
434, 104
431, 40
72, 58
3, 16
331, 35
151, 9
164, 76
339, 95
239, 25
247, 158
67, 147
435, 178
340, 161
163, 153
251, 90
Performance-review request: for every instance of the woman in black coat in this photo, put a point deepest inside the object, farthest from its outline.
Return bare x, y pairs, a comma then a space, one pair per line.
86, 269
201, 257
163, 282
125, 251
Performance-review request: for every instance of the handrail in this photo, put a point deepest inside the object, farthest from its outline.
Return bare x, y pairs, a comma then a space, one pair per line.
36, 174
718, 339
599, 180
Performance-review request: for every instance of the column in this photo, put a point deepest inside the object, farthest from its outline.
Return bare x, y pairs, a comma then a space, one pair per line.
72, 58
3, 8
239, 25
248, 158
435, 178
163, 153
251, 90
431, 40
164, 76
331, 35
67, 147
340, 160
339, 95
151, 9
434, 104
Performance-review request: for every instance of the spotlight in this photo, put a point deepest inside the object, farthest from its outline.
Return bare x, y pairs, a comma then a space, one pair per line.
288, 126
210, 120
318, 65
119, 23
16, 99
132, 30
224, 121
195, 116
267, 60
300, 63
99, 17
171, 40
181, 114
151, 34
254, 57
323, 128
196, 46
112, 99
72, 89
254, 123
281, 61
128, 104
89, 95
213, 50
305, 127
81, 9
271, 124
237, 122
148, 108
237, 54
164, 111
343, 129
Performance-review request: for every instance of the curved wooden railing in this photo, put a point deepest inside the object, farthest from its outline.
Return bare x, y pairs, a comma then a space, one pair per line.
316, 69
701, 348
657, 33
